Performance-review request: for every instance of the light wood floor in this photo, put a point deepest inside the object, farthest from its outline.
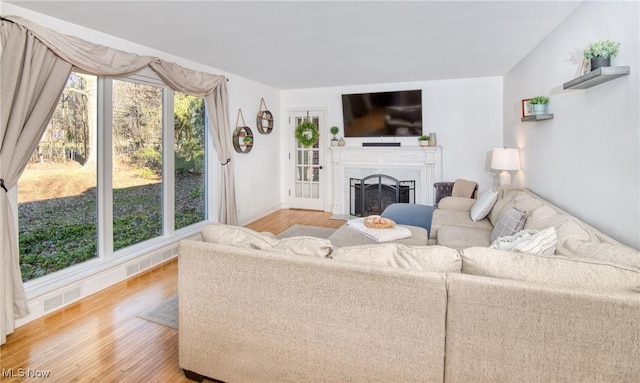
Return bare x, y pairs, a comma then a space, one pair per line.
100, 339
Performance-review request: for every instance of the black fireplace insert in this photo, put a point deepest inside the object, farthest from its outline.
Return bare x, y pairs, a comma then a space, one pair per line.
372, 194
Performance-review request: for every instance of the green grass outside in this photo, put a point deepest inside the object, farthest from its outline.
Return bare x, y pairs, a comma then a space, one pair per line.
62, 232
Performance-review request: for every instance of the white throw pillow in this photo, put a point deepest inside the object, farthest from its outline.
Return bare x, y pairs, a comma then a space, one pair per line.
529, 241
482, 207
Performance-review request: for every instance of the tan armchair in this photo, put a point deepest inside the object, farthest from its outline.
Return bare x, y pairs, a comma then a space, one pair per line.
459, 188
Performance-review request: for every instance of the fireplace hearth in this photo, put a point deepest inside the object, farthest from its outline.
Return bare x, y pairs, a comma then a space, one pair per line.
372, 194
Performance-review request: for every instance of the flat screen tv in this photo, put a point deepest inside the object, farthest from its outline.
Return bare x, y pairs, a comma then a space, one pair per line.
383, 114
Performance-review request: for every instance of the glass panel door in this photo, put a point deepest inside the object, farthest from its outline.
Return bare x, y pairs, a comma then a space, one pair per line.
308, 189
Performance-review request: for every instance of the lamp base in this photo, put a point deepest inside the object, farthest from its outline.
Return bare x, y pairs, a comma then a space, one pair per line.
505, 178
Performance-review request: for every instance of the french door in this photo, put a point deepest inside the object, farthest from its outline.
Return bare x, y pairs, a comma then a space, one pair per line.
307, 184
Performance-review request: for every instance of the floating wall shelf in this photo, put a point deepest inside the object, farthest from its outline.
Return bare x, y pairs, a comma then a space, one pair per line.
597, 76
537, 117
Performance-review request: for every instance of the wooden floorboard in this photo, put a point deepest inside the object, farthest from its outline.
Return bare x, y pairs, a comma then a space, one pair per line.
100, 338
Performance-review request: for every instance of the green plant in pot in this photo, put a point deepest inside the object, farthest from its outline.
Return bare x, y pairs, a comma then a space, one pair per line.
600, 53
424, 140
539, 104
334, 130
247, 140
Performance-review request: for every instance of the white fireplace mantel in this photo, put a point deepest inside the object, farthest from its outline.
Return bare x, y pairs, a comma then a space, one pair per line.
422, 164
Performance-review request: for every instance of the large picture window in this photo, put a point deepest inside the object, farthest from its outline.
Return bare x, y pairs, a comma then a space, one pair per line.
152, 130
137, 163
189, 118
57, 192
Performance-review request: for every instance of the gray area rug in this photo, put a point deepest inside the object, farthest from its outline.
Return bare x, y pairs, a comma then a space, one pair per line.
311, 231
164, 313
343, 217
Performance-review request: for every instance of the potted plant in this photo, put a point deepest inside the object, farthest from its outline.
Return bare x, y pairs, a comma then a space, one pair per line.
334, 130
424, 140
600, 53
539, 104
247, 140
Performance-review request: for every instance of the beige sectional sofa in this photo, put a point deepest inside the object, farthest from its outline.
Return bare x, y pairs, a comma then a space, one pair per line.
452, 227
253, 308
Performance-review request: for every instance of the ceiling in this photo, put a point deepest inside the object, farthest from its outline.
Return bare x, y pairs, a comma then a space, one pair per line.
308, 44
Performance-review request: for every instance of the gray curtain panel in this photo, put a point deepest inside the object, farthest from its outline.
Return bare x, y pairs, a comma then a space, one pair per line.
31, 81
36, 63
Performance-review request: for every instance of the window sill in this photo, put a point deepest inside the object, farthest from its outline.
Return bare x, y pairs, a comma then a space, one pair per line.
75, 275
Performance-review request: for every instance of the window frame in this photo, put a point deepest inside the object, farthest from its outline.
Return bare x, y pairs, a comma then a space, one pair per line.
107, 258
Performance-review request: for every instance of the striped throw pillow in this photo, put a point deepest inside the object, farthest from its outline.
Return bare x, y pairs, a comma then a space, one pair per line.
529, 241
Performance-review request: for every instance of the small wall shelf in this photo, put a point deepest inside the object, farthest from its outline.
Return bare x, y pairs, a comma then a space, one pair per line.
537, 117
597, 76
239, 134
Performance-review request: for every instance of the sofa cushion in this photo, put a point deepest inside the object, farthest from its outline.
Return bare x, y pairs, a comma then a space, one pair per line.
608, 252
239, 236
529, 241
516, 198
444, 218
504, 198
456, 203
484, 204
462, 237
574, 229
543, 217
553, 270
511, 222
463, 188
304, 245
424, 258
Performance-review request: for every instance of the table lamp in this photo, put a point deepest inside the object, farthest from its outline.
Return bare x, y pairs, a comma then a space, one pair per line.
505, 159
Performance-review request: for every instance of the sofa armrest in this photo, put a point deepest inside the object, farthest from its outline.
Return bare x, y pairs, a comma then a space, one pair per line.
456, 203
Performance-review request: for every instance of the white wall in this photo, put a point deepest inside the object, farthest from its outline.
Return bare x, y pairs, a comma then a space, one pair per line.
466, 115
256, 170
587, 159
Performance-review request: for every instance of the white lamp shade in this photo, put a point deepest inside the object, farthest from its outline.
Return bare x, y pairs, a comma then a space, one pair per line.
505, 159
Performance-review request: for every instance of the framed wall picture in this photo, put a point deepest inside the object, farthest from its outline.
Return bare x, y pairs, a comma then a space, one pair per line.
527, 108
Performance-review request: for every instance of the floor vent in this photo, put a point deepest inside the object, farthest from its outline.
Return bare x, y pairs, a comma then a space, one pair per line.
56, 301
53, 302
169, 253
151, 261
72, 295
132, 269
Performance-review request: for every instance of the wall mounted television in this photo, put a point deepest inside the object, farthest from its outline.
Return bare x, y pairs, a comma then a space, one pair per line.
383, 114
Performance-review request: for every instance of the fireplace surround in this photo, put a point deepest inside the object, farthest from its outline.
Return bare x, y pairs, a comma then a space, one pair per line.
420, 164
